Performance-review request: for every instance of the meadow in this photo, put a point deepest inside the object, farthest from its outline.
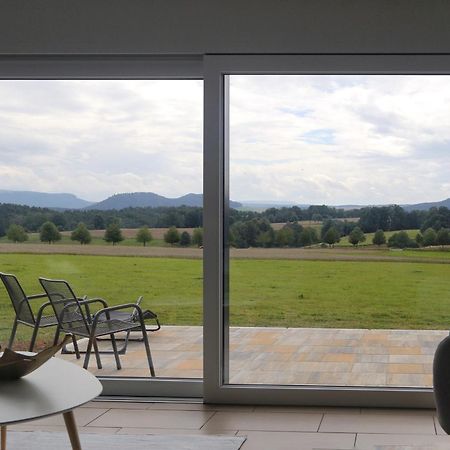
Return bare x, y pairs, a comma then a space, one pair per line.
282, 293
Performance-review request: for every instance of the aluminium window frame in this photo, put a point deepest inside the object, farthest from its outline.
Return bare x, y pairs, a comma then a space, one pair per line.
217, 69
115, 67
213, 69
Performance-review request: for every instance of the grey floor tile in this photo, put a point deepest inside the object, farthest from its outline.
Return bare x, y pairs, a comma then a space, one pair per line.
378, 423
399, 411
261, 421
175, 431
60, 428
126, 418
372, 441
83, 416
258, 440
308, 409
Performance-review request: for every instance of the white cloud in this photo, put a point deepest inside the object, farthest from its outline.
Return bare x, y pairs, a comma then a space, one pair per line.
345, 139
309, 139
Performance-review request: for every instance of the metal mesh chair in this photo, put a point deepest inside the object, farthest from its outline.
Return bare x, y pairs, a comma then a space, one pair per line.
24, 312
74, 317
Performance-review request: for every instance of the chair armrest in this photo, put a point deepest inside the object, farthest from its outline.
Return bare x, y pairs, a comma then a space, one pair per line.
41, 309
94, 300
106, 311
35, 296
89, 301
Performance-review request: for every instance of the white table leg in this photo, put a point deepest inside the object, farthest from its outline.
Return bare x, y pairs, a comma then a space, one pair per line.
71, 426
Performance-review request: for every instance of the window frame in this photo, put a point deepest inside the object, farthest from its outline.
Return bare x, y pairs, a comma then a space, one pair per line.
217, 69
112, 67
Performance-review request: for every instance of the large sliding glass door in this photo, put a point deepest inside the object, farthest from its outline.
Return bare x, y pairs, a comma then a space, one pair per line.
290, 315
321, 301
114, 164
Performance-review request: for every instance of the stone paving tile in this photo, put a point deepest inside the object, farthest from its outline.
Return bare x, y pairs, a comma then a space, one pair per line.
289, 356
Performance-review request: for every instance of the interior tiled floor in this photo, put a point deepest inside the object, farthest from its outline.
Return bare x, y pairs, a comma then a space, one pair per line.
354, 357
271, 428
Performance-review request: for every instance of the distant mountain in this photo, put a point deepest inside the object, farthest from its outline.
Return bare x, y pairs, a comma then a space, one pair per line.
149, 199
43, 199
427, 206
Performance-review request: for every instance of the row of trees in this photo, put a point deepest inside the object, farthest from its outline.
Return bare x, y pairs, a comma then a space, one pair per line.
427, 238
32, 218
260, 233
113, 234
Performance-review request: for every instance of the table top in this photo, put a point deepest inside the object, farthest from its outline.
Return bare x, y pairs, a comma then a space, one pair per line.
55, 387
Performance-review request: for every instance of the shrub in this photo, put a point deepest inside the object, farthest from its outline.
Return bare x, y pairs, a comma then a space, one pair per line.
172, 236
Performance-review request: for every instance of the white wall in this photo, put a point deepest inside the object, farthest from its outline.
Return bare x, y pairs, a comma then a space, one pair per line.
223, 26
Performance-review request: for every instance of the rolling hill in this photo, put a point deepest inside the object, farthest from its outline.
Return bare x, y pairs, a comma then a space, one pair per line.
149, 199
426, 206
43, 199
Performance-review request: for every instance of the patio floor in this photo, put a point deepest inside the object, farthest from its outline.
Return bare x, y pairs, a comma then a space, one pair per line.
342, 357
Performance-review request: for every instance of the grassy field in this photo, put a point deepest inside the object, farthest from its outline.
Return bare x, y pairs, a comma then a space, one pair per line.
286, 293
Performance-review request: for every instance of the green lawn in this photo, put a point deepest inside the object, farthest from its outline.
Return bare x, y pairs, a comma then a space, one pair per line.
286, 293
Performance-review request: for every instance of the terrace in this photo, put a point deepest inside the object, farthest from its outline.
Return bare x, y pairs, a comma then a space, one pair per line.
258, 355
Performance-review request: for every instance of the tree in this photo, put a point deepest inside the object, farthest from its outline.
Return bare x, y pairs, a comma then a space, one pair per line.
308, 237
16, 233
331, 236
113, 233
379, 238
429, 237
144, 235
49, 233
419, 239
284, 237
172, 236
81, 234
197, 237
443, 236
401, 240
185, 239
356, 236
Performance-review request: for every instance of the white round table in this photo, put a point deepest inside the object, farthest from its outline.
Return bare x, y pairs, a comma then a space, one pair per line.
56, 387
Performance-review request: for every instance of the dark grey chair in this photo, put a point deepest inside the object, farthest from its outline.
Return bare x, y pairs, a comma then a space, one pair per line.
441, 383
75, 318
24, 312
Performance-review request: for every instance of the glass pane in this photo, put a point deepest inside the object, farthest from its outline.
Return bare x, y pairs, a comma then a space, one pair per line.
123, 158
339, 241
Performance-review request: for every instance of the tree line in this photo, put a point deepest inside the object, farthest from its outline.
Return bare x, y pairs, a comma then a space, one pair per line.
32, 218
370, 219
49, 233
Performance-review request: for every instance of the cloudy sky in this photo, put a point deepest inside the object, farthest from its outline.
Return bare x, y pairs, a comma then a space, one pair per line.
305, 139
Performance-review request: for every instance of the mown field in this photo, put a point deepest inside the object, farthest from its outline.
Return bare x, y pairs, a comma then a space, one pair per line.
282, 293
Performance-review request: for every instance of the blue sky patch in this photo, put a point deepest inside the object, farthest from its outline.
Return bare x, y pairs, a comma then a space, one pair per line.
323, 136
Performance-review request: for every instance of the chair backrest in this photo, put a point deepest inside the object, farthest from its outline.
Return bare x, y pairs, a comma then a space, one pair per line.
18, 298
68, 310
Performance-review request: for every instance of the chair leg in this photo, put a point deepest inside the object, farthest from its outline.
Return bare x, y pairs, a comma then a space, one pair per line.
97, 354
75, 346
33, 337
147, 348
13, 333
56, 338
116, 354
88, 354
